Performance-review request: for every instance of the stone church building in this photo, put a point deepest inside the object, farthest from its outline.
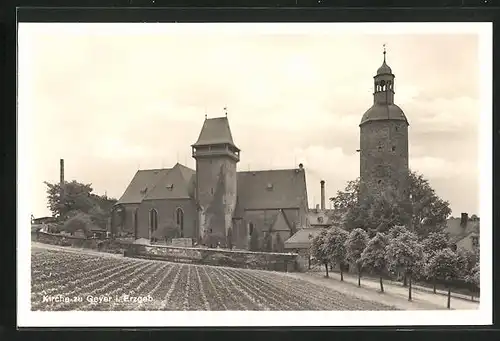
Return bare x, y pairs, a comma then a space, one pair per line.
214, 204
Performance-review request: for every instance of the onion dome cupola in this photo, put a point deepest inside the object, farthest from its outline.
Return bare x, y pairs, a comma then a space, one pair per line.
383, 107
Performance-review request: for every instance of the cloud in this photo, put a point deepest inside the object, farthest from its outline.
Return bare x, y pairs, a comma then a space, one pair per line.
110, 99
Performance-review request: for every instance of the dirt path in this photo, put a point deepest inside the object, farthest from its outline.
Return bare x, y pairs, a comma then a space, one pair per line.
394, 294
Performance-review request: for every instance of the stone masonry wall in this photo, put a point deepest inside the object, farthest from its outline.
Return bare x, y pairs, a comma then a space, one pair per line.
384, 156
240, 259
216, 183
167, 212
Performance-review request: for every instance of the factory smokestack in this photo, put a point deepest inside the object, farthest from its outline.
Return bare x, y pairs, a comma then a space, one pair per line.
61, 177
322, 194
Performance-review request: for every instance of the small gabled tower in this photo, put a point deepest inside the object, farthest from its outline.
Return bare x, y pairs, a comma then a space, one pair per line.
384, 140
216, 157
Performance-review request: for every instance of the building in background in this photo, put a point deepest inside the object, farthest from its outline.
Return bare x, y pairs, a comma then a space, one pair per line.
464, 231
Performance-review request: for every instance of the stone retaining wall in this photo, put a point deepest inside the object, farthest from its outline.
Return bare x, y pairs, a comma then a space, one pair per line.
286, 262
241, 259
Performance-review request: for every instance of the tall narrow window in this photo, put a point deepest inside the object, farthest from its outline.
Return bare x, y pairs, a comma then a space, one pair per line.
250, 228
179, 218
153, 222
136, 224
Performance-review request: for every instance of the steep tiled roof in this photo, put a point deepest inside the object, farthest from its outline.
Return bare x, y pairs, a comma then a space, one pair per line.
215, 131
141, 184
173, 185
272, 189
302, 239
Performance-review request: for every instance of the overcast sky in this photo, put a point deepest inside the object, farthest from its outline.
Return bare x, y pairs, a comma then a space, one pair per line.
110, 99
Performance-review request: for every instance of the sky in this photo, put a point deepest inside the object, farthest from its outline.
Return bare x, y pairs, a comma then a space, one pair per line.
114, 98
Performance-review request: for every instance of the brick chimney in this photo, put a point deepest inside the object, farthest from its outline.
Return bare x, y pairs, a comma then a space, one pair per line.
463, 219
61, 178
61, 169
322, 194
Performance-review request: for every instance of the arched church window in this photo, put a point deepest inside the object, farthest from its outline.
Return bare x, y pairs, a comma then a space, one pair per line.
153, 221
250, 228
393, 148
179, 219
379, 182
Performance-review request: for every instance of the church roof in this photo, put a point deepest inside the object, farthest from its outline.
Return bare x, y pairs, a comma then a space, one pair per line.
142, 182
272, 189
215, 131
166, 183
383, 112
175, 184
268, 189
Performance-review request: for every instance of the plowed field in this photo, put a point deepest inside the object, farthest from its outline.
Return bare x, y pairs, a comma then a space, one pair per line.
69, 280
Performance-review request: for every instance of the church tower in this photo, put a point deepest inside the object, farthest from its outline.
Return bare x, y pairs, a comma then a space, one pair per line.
383, 140
216, 157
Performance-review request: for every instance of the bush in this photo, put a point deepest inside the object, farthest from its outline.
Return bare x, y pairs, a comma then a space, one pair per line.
220, 259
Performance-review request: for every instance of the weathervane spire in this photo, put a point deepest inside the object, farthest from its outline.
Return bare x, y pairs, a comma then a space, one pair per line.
225, 110
384, 51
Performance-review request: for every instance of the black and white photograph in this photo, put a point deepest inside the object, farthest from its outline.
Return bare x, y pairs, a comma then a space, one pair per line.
176, 174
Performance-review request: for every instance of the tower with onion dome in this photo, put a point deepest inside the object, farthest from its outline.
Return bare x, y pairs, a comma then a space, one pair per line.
384, 140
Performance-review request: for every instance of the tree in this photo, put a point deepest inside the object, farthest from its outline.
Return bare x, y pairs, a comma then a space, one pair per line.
435, 242
396, 231
355, 245
473, 279
405, 254
446, 265
78, 198
335, 240
374, 256
230, 238
318, 249
379, 212
79, 222
279, 244
254, 241
168, 230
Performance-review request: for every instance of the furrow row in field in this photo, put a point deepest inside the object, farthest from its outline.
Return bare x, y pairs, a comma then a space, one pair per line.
213, 296
237, 293
308, 301
74, 278
68, 268
140, 290
87, 287
158, 287
128, 282
187, 289
177, 297
166, 303
231, 300
199, 287
282, 300
256, 293
275, 286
